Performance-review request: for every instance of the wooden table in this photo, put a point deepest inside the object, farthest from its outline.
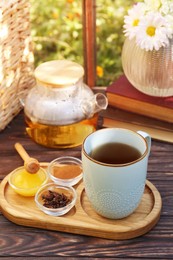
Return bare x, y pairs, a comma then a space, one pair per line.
20, 241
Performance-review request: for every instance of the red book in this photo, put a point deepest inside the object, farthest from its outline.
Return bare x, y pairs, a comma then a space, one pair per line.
123, 95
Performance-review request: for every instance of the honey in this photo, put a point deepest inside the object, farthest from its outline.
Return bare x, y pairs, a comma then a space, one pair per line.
61, 136
25, 183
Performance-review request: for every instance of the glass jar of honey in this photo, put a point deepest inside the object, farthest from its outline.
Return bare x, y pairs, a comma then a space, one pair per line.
60, 111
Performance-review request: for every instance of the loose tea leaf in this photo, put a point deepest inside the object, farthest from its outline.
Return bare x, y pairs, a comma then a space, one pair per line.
55, 200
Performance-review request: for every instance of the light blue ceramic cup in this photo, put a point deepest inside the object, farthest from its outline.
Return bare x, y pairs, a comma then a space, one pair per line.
115, 190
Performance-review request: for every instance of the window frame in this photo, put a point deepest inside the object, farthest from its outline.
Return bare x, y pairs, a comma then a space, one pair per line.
89, 41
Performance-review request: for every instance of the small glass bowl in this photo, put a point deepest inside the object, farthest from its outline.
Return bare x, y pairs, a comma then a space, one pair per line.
66, 170
27, 184
69, 192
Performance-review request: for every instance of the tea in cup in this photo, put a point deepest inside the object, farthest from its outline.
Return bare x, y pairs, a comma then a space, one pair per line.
115, 162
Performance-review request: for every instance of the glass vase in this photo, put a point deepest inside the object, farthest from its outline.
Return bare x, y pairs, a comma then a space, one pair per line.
151, 72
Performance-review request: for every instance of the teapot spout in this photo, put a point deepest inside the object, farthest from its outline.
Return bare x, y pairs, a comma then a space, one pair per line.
95, 104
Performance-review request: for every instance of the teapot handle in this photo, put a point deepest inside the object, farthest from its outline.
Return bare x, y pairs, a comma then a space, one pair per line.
94, 104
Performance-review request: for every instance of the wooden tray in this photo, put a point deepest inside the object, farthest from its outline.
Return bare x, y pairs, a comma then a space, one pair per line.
82, 219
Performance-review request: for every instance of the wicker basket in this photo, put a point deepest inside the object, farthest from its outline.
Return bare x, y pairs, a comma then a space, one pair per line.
16, 57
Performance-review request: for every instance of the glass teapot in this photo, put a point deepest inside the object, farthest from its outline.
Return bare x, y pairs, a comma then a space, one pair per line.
61, 110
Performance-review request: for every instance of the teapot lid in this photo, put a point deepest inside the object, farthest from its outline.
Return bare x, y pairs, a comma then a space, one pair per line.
58, 73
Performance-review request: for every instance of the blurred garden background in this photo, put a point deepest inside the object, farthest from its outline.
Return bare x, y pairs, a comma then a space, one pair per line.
57, 33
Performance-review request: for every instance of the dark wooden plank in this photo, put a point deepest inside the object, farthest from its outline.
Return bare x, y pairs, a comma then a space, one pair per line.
21, 241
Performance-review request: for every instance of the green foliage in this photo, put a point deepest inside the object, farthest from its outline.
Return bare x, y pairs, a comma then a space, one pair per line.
110, 38
57, 30
57, 33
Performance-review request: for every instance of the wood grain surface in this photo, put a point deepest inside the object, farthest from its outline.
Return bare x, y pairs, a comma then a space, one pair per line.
27, 242
82, 219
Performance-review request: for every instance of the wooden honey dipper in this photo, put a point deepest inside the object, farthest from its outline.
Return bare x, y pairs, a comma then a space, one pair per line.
31, 164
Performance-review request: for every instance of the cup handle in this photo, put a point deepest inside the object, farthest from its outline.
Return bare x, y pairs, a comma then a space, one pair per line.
147, 138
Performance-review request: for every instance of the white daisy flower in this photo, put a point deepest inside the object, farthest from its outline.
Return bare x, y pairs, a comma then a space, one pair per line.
132, 20
169, 20
166, 7
153, 32
153, 5
151, 23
